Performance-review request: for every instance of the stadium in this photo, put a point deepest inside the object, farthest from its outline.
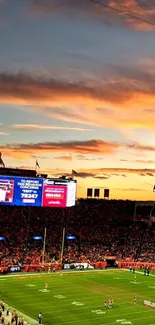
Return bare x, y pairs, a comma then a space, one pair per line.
77, 190
65, 261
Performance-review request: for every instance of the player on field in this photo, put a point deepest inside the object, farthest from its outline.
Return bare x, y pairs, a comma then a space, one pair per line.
112, 302
110, 305
46, 285
135, 277
134, 299
105, 304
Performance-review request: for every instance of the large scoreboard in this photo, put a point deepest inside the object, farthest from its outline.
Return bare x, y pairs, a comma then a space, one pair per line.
45, 192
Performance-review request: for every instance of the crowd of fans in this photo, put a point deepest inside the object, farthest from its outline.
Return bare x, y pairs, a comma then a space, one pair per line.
101, 228
8, 317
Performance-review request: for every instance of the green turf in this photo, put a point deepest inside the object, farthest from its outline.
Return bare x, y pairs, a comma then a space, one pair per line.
90, 289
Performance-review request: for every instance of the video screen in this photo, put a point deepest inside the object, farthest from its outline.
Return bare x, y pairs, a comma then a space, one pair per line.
54, 193
23, 191
20, 191
6, 190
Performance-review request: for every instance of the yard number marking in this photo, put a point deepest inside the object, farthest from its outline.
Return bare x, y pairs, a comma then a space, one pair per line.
135, 282
76, 303
59, 297
98, 312
120, 320
44, 290
123, 321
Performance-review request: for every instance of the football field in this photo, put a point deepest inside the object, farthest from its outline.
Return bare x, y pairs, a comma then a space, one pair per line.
78, 297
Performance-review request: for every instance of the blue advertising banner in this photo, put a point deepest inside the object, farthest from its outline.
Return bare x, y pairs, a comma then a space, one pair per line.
20, 191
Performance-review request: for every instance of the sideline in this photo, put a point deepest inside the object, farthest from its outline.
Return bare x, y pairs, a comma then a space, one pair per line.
57, 272
142, 273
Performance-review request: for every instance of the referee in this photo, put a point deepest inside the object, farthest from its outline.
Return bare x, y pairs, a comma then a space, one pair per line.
40, 318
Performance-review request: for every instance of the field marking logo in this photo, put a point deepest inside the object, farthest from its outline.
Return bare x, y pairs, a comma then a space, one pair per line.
59, 297
123, 321
118, 278
151, 287
31, 285
98, 312
44, 290
76, 303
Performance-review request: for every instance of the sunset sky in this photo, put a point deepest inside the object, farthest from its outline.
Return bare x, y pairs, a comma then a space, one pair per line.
77, 91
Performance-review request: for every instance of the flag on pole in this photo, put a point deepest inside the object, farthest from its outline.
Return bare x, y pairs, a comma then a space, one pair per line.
74, 173
1, 161
37, 164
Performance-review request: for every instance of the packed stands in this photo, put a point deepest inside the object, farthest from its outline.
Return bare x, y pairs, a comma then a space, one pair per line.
101, 227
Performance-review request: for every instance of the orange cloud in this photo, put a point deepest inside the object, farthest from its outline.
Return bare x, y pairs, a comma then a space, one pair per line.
124, 90
90, 147
94, 10
68, 158
82, 147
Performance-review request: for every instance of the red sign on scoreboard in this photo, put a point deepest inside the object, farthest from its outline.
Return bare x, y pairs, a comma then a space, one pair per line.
54, 196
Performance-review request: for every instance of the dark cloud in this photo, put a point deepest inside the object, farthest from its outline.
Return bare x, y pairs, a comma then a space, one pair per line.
82, 147
101, 173
30, 89
23, 85
86, 174
122, 175
102, 177
146, 174
98, 173
80, 175
88, 9
27, 87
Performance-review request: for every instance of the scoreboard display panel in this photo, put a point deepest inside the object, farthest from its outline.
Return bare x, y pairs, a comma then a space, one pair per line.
24, 191
20, 191
54, 193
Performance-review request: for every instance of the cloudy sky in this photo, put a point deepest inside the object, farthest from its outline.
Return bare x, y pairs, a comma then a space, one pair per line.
77, 91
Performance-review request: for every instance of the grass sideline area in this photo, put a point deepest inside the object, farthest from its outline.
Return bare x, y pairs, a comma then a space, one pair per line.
78, 297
